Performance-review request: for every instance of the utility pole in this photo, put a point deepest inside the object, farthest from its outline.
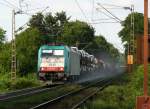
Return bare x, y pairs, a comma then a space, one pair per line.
13, 57
132, 33
143, 102
132, 11
131, 44
14, 31
145, 47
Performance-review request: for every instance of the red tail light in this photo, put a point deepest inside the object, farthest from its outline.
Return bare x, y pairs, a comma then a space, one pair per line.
55, 69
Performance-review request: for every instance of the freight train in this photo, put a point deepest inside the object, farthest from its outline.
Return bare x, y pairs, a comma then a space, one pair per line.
61, 63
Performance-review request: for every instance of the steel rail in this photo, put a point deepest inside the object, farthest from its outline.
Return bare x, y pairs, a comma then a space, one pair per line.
91, 95
25, 92
19, 91
71, 93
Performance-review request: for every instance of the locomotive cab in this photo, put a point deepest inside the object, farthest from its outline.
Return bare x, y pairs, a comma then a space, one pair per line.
51, 64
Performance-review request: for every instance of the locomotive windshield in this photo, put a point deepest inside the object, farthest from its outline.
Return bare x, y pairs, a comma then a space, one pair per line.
58, 52
52, 58
48, 53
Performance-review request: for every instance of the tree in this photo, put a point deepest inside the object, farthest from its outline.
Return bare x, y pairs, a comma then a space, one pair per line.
2, 36
125, 33
101, 46
5, 58
28, 43
50, 26
77, 32
4, 53
37, 21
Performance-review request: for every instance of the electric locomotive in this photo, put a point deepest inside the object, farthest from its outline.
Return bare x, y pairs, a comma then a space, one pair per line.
58, 63
61, 63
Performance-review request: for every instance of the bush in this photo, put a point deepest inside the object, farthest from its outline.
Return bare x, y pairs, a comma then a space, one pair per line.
6, 84
22, 83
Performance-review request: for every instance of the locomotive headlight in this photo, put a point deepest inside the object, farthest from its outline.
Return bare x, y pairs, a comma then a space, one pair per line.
61, 69
42, 68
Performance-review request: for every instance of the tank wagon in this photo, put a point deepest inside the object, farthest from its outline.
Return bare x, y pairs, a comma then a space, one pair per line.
59, 63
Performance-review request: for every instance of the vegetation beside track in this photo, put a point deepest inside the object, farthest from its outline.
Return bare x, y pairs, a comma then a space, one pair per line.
6, 84
121, 94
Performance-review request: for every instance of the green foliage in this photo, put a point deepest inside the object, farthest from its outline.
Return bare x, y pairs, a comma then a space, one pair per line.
37, 21
125, 33
77, 32
23, 83
6, 84
99, 44
2, 36
123, 94
49, 26
28, 43
5, 58
4, 53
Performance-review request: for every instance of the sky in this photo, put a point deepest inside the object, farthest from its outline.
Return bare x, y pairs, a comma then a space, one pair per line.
84, 10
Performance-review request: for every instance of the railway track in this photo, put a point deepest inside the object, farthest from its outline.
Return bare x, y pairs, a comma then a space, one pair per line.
24, 92
78, 104
29, 99
74, 98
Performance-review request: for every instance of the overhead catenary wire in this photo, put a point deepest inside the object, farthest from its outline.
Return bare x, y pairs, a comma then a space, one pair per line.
112, 5
95, 21
103, 22
21, 27
106, 14
109, 12
103, 19
114, 17
31, 14
6, 5
92, 15
81, 10
21, 4
11, 4
114, 8
35, 9
44, 9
